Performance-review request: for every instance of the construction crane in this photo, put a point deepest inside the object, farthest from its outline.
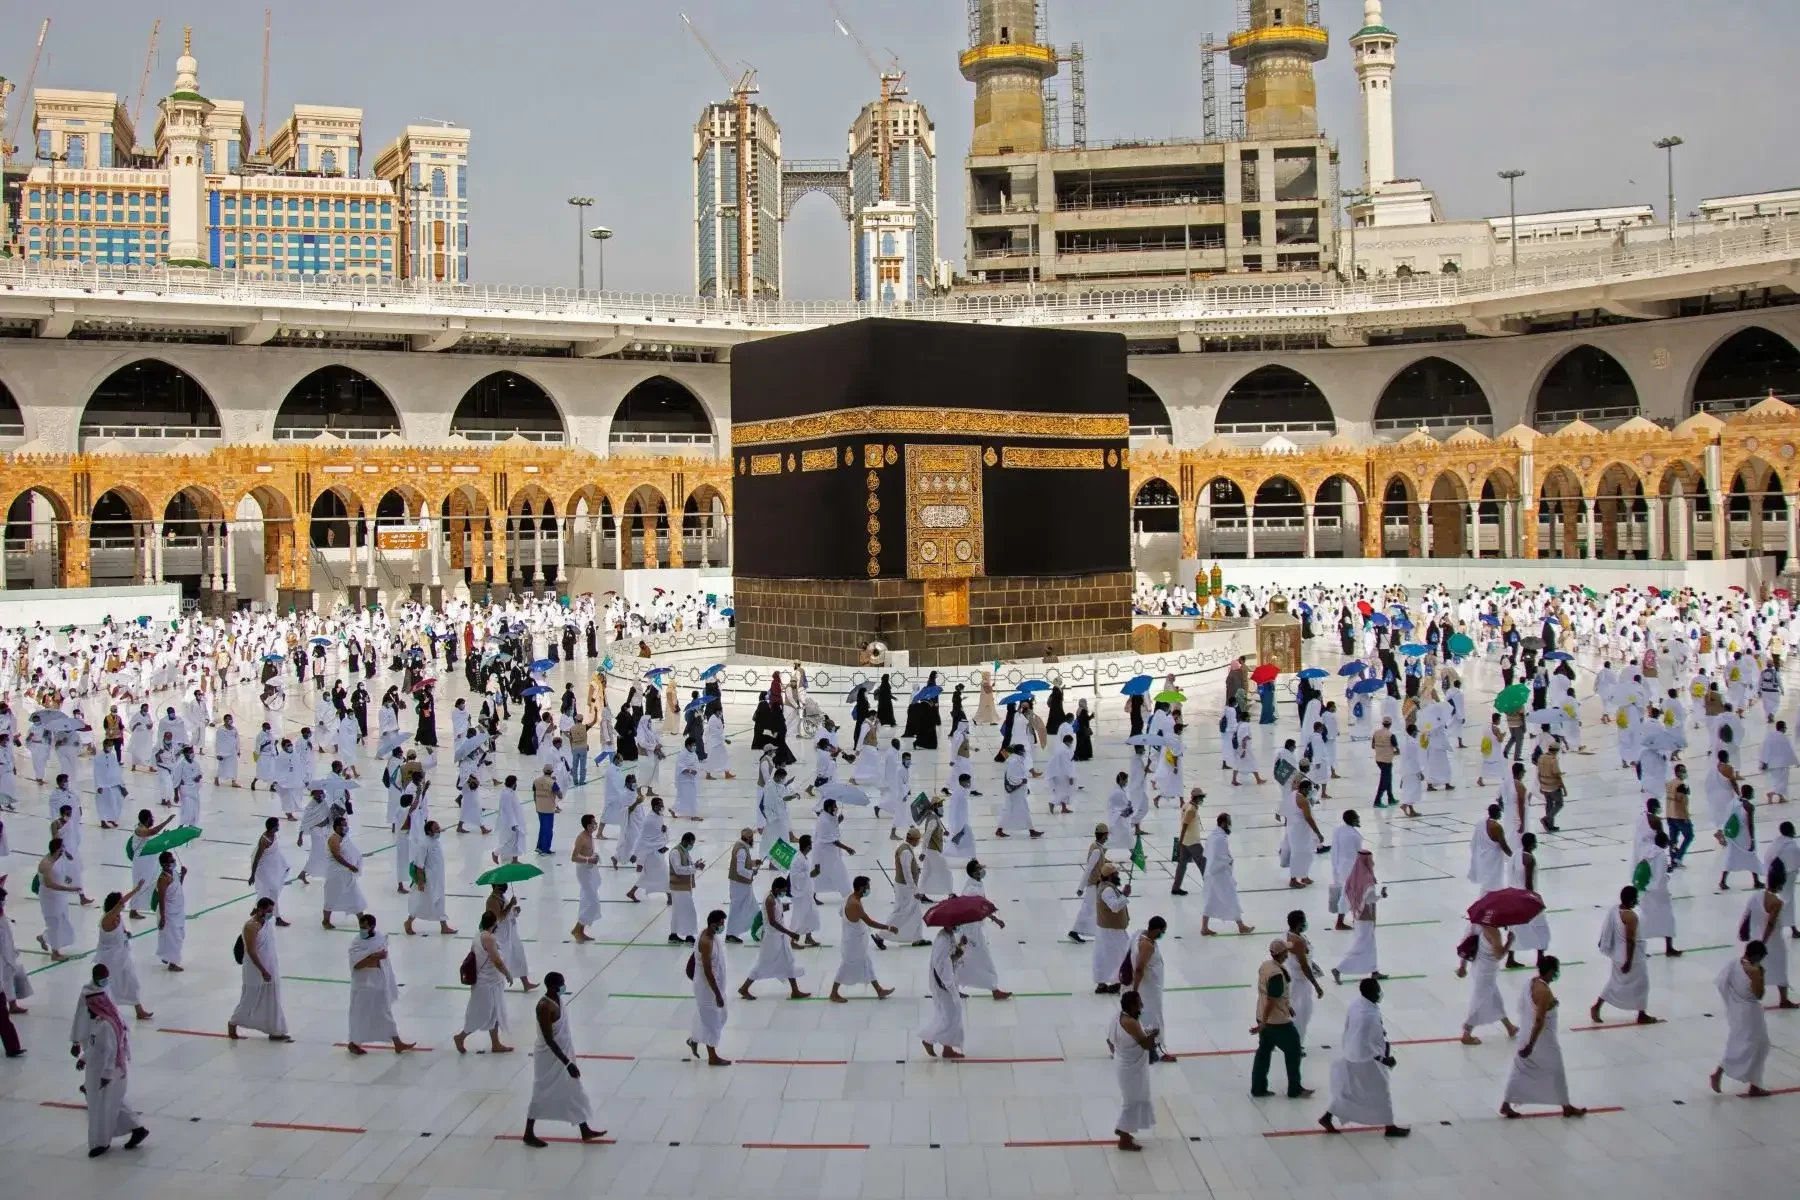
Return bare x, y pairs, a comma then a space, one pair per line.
137, 110
742, 89
893, 86
12, 135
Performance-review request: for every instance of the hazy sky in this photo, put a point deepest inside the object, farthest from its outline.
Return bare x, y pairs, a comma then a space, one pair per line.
599, 97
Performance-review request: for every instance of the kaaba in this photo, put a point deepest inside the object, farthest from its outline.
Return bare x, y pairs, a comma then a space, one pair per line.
956, 492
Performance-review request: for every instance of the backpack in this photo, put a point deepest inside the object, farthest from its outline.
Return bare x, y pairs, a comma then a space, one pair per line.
237, 950
466, 972
690, 965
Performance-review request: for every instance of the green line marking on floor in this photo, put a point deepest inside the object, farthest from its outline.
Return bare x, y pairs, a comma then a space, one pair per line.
314, 979
647, 996
1212, 987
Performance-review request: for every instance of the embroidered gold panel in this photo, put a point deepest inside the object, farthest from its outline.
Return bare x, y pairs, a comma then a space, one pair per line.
943, 512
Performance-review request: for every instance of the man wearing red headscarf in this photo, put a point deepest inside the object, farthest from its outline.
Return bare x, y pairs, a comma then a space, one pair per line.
102, 1048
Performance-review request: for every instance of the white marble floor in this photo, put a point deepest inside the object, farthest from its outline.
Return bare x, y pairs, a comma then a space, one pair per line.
846, 1104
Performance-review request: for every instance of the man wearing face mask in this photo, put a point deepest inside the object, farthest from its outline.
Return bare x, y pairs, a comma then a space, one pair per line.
1274, 1028
373, 990
556, 1090
102, 1048
1360, 1091
855, 965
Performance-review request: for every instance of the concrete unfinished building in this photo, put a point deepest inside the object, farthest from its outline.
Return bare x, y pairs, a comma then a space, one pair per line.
1133, 214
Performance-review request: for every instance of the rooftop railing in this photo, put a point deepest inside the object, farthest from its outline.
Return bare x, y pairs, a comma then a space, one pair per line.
1775, 241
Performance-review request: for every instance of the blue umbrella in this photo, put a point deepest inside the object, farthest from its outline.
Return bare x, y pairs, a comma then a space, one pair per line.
928, 693
535, 690
1364, 687
274, 657
542, 664
1305, 609
143, 622
1559, 656
1377, 620
727, 612
1490, 619
1033, 685
694, 705
854, 688
1137, 685
1315, 673
653, 672
1016, 698
1413, 649
1402, 623
1355, 667
321, 641
712, 672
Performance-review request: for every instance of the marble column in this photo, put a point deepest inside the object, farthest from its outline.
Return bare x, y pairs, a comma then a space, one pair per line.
1474, 548
1721, 524
594, 540
1653, 520
1509, 523
156, 552
1249, 531
1593, 529
230, 563
368, 525
1678, 525
565, 526
1793, 531
1311, 545
1425, 529
434, 546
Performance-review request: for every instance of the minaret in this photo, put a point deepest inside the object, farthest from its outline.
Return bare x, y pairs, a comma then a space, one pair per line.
1277, 53
184, 128
1008, 70
1373, 46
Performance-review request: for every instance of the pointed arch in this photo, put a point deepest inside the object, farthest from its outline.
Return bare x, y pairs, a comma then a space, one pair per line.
149, 398
705, 528
506, 403
12, 417
1156, 507
1148, 416
338, 400
658, 415
1275, 399
38, 525
1585, 383
1432, 393
1745, 368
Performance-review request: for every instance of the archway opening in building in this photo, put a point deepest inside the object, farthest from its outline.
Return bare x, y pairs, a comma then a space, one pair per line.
12, 417
1280, 519
705, 536
1586, 384
1338, 515
660, 415
1746, 368
334, 526
1275, 399
149, 399
338, 400
1220, 519
1148, 415
506, 403
1433, 393
1156, 508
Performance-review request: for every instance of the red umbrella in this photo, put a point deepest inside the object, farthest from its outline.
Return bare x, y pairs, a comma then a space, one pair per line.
1517, 584
1781, 593
1507, 906
1264, 674
424, 685
1363, 607
1736, 588
960, 910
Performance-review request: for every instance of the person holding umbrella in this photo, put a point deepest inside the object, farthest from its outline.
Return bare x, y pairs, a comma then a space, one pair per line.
944, 1028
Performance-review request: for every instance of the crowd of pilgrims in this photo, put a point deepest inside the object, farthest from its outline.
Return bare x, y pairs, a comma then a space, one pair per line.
1670, 663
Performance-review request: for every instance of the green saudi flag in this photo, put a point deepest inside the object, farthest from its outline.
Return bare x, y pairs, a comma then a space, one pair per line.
781, 854
756, 927
1137, 853
1640, 878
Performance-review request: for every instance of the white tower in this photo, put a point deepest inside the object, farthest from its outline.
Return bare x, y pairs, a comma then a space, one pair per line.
1373, 47
184, 125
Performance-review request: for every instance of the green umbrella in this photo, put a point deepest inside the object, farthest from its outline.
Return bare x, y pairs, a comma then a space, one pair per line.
508, 873
1169, 697
1461, 643
1512, 699
1590, 593
1502, 590
169, 839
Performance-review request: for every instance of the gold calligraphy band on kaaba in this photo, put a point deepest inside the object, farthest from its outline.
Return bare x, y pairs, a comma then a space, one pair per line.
1042, 458
901, 422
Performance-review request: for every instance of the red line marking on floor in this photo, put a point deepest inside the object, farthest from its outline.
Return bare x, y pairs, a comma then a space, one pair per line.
613, 1058
308, 1128
1427, 1041
1322, 1132
1001, 1061
1557, 1112
1070, 1142
1613, 1025
1209, 1053
384, 1046
805, 1145
63, 1104
195, 1032
794, 1062
514, 1137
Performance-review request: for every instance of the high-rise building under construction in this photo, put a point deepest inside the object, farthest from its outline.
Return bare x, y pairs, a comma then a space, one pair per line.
719, 265
1255, 197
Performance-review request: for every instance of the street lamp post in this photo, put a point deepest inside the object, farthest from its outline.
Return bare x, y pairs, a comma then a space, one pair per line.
53, 251
580, 204
1512, 177
1667, 146
600, 234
